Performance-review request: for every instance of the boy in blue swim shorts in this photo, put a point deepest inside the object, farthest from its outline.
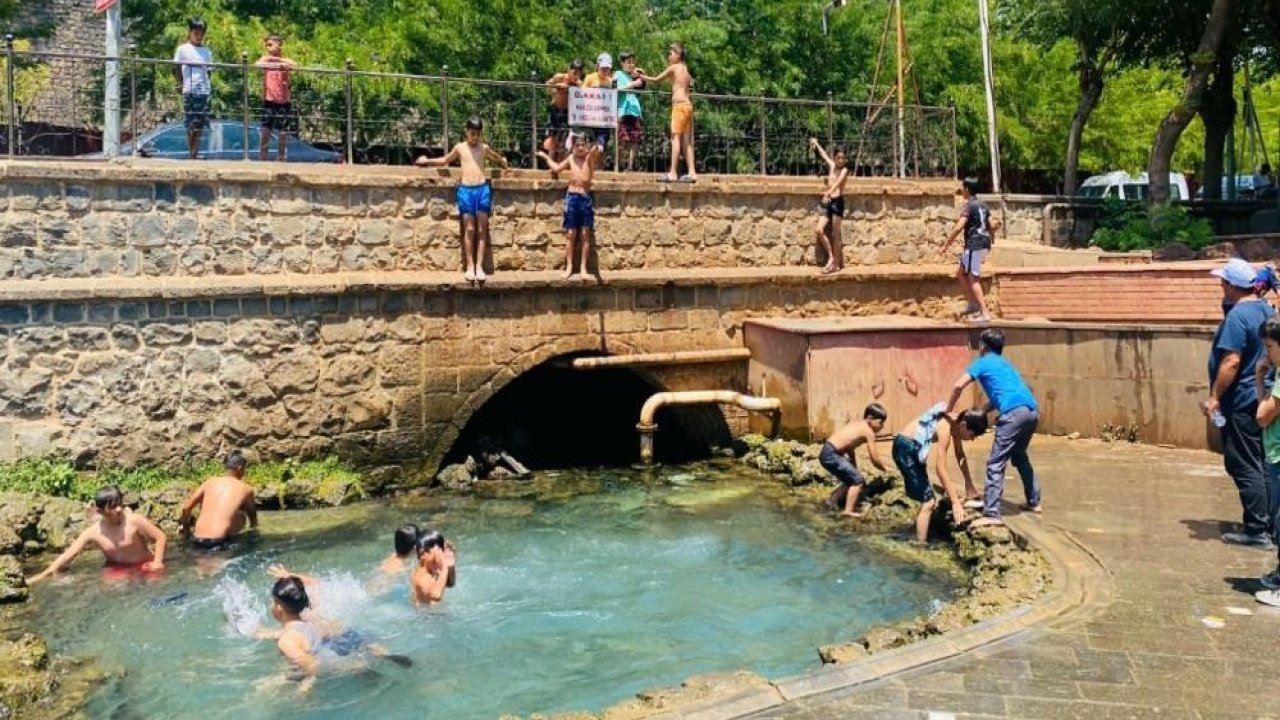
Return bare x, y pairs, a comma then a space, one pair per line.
475, 200
579, 207
911, 455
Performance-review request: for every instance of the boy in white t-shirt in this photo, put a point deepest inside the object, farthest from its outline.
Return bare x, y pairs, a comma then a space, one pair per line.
192, 61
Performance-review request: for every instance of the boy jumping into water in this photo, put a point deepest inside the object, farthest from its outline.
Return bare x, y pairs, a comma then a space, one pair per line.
226, 504
838, 459
911, 454
978, 227
579, 207
475, 199
120, 534
681, 112
832, 207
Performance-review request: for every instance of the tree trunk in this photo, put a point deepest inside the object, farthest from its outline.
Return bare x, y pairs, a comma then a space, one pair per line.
1203, 61
1091, 85
1218, 114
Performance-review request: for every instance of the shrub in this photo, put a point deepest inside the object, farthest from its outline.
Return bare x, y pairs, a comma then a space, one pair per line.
1126, 226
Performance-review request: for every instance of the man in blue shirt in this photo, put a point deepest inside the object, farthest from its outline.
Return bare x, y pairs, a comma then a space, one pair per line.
1233, 402
1019, 415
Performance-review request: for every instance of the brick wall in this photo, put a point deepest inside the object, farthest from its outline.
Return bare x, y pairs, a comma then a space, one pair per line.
1168, 293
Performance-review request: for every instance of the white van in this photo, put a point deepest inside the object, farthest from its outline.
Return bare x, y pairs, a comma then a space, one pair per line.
1121, 185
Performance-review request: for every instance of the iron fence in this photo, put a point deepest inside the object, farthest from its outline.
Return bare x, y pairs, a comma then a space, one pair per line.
53, 106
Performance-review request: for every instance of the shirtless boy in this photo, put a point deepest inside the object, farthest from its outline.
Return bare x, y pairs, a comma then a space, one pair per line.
404, 541
226, 503
911, 454
435, 571
677, 73
832, 207
120, 534
558, 115
475, 199
838, 459
579, 207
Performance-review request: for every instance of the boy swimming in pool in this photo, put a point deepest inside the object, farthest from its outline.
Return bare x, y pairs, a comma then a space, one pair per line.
404, 541
436, 569
911, 454
122, 537
838, 459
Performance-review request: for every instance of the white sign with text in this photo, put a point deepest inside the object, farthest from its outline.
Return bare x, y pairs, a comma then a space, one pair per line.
593, 107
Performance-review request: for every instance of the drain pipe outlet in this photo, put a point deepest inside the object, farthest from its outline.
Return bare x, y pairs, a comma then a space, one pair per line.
647, 427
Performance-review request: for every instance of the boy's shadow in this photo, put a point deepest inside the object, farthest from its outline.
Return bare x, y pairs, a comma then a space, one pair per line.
1208, 529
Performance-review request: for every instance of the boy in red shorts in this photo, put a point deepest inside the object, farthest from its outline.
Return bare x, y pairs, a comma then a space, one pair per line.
120, 534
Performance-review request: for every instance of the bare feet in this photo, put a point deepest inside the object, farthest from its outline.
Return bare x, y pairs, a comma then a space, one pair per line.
829, 268
570, 275
469, 275
985, 521
851, 513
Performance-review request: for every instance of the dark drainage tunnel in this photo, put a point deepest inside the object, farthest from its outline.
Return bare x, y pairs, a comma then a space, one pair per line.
554, 416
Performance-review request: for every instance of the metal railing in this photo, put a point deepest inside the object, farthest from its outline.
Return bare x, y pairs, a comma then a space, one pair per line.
53, 106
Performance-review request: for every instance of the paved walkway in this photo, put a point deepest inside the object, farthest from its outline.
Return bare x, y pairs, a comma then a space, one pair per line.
1151, 516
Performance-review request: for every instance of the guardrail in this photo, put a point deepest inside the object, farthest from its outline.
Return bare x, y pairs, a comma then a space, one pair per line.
53, 106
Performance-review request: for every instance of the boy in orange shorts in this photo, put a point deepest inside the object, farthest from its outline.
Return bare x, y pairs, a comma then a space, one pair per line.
681, 113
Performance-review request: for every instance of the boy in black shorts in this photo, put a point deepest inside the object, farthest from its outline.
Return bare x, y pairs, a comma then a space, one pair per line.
832, 207
558, 114
277, 99
837, 458
911, 454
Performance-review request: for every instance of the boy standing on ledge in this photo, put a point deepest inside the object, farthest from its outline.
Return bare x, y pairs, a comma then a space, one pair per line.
681, 112
277, 99
579, 208
837, 457
475, 199
978, 228
192, 61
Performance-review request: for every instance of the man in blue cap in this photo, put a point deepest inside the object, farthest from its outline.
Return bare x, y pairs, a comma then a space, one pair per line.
1232, 402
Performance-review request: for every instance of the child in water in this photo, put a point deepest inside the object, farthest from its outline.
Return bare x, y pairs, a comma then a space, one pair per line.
404, 541
122, 537
435, 571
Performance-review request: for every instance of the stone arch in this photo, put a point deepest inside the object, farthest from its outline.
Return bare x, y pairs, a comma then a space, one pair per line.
566, 417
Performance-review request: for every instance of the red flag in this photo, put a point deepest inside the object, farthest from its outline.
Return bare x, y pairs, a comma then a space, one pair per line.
101, 6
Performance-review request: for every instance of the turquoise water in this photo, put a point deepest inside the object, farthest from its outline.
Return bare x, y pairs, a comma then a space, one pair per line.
574, 592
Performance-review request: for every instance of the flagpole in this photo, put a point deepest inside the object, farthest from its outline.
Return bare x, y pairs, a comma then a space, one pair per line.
111, 94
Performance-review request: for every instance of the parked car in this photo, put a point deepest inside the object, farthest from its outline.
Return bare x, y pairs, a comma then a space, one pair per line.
1248, 186
222, 140
1121, 185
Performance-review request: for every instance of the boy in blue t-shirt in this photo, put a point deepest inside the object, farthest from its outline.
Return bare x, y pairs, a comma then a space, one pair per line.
1018, 416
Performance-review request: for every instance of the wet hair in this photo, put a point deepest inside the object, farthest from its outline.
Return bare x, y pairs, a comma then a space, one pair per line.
993, 340
1270, 329
291, 594
406, 538
975, 420
577, 65
236, 461
970, 185
678, 49
475, 123
428, 540
108, 497
875, 411
196, 24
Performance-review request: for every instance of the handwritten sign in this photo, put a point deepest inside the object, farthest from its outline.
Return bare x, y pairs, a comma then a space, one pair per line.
593, 107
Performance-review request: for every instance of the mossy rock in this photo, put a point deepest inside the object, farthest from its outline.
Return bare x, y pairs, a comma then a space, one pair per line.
13, 586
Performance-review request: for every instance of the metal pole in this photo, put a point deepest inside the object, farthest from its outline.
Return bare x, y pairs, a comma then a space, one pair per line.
764, 148
10, 100
111, 94
993, 138
444, 107
901, 149
350, 139
955, 142
133, 98
831, 122
244, 98
533, 119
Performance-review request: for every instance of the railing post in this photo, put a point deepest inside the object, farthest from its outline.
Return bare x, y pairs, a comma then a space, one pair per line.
133, 98
764, 147
831, 122
244, 98
444, 107
533, 119
955, 140
350, 139
10, 101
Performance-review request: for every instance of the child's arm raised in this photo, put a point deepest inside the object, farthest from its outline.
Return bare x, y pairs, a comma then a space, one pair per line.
552, 165
813, 143
67, 555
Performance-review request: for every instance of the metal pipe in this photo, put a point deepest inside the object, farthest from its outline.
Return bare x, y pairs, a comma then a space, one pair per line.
647, 427
10, 96
688, 357
244, 105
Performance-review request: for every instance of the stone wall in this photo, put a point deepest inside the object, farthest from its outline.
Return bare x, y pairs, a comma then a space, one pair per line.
359, 365
157, 219
67, 27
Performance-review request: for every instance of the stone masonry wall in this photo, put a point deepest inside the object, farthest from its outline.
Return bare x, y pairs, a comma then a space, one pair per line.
68, 27
173, 371
182, 220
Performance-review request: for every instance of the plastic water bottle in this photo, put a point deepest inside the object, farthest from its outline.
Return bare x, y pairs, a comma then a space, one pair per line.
1217, 418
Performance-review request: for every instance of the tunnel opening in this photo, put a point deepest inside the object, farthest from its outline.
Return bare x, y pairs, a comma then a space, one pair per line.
556, 417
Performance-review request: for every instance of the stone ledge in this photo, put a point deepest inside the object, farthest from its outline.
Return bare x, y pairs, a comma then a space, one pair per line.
134, 170
17, 291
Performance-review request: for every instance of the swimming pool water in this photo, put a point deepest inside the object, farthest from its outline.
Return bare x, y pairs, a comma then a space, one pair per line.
574, 591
